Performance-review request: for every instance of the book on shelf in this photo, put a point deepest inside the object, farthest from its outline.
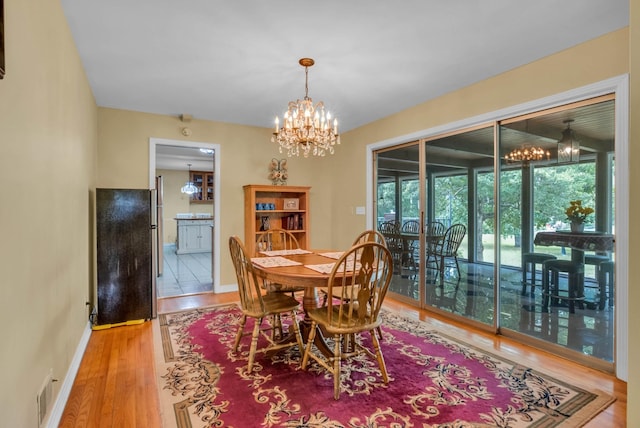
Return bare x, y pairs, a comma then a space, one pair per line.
294, 222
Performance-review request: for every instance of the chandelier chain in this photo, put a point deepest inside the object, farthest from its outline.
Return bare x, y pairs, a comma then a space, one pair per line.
306, 83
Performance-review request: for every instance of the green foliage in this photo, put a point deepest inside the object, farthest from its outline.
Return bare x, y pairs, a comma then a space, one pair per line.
451, 199
386, 198
553, 187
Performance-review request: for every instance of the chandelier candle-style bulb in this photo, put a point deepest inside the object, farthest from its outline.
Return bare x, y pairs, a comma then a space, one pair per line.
306, 127
526, 154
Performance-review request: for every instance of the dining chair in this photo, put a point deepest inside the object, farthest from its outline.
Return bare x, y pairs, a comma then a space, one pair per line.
409, 245
448, 248
433, 234
435, 228
273, 240
370, 235
391, 232
366, 236
259, 306
357, 286
276, 239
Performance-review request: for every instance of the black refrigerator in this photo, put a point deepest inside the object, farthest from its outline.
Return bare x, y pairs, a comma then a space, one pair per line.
126, 255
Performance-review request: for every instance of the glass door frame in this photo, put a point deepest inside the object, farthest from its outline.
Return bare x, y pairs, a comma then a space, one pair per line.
620, 87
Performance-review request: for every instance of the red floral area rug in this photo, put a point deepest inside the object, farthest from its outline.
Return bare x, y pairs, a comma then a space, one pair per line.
434, 381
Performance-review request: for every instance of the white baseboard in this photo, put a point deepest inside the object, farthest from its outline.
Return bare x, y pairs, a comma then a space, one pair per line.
65, 389
226, 288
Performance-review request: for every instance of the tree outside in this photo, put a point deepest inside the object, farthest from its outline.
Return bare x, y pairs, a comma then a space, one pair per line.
553, 187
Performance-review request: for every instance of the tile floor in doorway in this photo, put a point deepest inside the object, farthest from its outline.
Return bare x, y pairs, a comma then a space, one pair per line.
184, 273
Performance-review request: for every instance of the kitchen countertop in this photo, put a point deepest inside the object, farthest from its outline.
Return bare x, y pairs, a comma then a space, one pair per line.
193, 218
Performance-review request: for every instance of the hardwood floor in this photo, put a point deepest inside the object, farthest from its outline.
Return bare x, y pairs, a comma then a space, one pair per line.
116, 386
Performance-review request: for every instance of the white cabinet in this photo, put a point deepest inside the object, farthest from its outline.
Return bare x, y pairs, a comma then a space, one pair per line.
194, 236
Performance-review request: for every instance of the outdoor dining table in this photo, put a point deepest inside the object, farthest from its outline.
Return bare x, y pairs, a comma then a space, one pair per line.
579, 242
309, 270
409, 240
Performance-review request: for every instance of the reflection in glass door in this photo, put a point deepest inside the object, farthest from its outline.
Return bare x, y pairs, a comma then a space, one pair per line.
398, 216
459, 225
557, 286
487, 242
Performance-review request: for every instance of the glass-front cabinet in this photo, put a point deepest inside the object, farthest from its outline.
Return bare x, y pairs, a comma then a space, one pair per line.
203, 180
494, 244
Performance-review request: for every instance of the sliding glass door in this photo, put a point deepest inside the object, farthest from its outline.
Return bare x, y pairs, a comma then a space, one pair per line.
557, 285
459, 232
398, 216
493, 246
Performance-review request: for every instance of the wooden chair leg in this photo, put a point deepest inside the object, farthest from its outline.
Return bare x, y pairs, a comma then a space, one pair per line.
296, 330
336, 366
243, 321
381, 363
307, 349
254, 344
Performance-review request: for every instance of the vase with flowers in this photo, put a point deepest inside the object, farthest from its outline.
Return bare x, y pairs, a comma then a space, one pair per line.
577, 214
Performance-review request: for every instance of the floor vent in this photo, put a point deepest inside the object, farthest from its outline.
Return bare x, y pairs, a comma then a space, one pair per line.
44, 398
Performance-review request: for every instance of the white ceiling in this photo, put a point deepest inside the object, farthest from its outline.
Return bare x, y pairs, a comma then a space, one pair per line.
237, 61
183, 158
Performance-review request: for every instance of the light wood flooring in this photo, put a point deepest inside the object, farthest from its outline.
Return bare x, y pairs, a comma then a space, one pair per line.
116, 386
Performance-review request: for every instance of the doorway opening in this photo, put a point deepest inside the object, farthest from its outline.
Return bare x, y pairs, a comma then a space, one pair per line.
188, 225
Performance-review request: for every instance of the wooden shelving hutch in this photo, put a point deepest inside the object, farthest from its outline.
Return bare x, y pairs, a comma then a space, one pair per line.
266, 197
204, 182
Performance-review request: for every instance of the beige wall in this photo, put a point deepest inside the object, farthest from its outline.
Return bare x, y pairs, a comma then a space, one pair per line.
48, 138
245, 153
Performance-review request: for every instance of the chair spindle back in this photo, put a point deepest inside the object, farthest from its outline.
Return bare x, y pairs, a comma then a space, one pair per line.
362, 276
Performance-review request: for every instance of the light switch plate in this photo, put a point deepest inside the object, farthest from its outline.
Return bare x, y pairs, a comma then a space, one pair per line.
359, 210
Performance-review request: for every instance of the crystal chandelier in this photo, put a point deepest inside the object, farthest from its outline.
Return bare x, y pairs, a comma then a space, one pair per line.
527, 153
189, 188
305, 127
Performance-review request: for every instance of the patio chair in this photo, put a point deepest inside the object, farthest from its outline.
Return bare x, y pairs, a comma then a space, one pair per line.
391, 232
448, 249
410, 245
434, 234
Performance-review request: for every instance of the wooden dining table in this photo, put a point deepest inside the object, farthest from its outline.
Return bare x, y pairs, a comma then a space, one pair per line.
301, 276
